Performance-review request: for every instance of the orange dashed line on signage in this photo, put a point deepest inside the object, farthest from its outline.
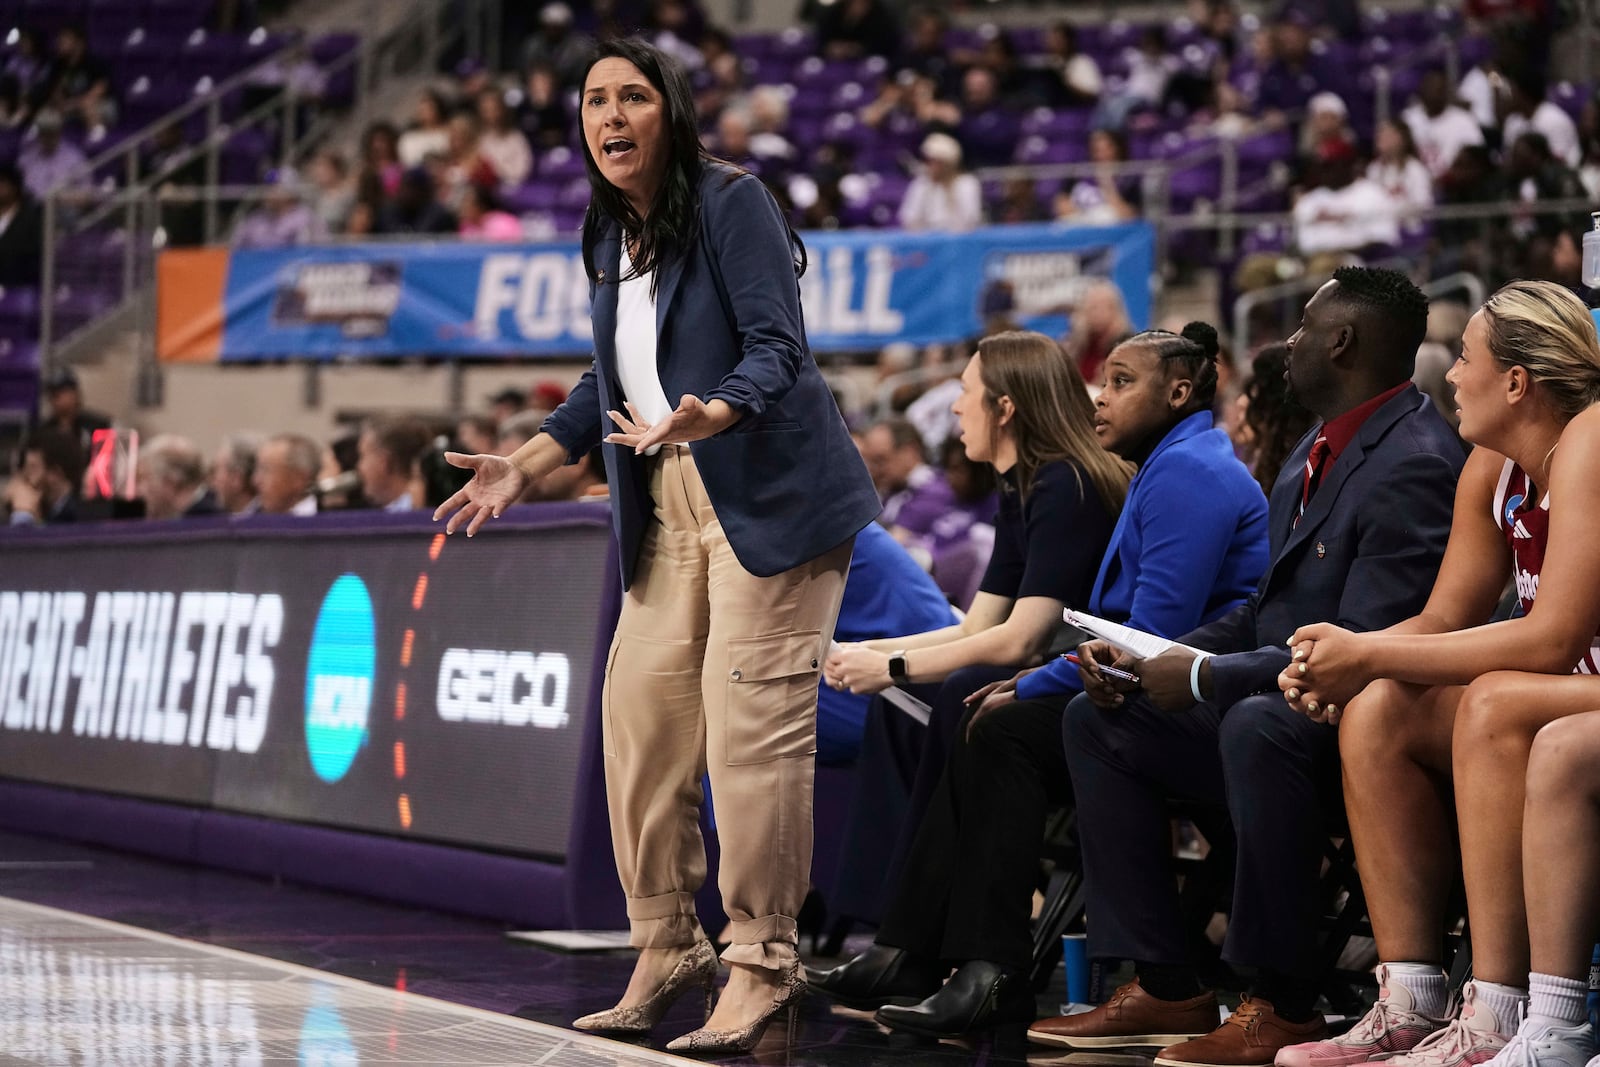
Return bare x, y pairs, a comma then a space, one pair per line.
399, 759
435, 548
420, 593
400, 702
405, 812
405, 648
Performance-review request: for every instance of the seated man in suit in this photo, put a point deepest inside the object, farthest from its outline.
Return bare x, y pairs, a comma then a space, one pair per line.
1358, 521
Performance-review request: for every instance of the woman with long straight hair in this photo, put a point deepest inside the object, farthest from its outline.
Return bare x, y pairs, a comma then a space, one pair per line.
1024, 410
736, 495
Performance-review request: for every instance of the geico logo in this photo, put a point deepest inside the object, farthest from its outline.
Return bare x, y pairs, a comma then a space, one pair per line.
339, 702
509, 688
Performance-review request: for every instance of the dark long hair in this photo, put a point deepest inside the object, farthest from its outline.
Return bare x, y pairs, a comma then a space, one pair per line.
673, 221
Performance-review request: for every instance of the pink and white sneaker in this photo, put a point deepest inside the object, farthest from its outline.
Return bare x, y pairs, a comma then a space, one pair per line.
1474, 1036
1392, 1026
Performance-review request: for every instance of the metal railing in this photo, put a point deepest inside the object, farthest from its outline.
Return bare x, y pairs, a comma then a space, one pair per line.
292, 129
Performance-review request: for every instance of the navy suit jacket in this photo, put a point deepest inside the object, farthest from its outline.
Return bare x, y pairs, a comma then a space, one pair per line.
1364, 556
786, 481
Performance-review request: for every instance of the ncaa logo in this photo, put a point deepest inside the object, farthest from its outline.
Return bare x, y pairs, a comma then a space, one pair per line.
340, 672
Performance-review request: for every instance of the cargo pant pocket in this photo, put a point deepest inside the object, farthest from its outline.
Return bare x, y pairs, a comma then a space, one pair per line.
771, 700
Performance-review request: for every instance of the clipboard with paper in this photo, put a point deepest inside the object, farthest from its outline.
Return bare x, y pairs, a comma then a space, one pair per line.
1138, 643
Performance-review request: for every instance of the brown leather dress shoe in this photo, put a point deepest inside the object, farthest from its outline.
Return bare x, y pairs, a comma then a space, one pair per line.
1250, 1037
1130, 1017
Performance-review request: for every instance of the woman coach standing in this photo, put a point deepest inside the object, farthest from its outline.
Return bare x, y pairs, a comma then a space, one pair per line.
735, 511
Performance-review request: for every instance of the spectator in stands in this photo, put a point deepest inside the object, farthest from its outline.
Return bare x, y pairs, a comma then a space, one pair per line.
893, 452
333, 195
1019, 202
483, 219
506, 403
1072, 76
286, 216
79, 86
1547, 241
925, 50
998, 55
45, 487
1336, 221
389, 452
476, 434
1470, 243
676, 28
414, 208
1271, 419
1561, 882
558, 46
1525, 110
429, 132
233, 473
21, 231
1437, 714
172, 480
885, 593
542, 111
1025, 411
1293, 75
942, 196
287, 468
1326, 129
50, 164
1098, 324
1110, 197
855, 29
25, 70
1396, 169
1218, 22
1362, 547
464, 163
502, 143
585, 480
380, 156
987, 136
1150, 67
64, 410
1439, 126
961, 540
1190, 546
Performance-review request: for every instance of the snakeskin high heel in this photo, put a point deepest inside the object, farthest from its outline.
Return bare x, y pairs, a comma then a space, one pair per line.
791, 988
699, 966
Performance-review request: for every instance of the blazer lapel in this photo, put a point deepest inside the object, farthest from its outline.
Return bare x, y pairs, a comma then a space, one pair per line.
671, 271
603, 316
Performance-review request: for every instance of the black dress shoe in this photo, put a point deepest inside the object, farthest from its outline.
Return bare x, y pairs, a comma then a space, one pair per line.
980, 995
880, 975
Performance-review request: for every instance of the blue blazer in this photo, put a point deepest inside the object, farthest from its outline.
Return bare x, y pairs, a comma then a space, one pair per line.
1190, 544
786, 481
1364, 556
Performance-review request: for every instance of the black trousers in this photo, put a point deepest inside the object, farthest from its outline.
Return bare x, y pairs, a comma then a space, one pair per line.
900, 765
966, 891
1275, 770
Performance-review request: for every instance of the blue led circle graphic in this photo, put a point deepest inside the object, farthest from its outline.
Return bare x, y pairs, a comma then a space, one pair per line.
340, 674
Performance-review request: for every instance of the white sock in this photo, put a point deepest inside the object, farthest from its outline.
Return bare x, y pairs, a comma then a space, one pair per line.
1505, 1001
1426, 983
1556, 1001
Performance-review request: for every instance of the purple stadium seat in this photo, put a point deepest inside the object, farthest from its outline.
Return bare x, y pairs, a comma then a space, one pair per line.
19, 356
531, 197
561, 164
1267, 237
794, 43
215, 55
574, 195
1066, 123
19, 311
989, 138
1032, 150
331, 46
48, 16
1569, 98
245, 157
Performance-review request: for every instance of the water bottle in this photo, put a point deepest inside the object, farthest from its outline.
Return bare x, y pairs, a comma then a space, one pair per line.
1594, 988
1591, 253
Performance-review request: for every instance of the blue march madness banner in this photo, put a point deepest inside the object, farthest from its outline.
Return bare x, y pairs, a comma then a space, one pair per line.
862, 290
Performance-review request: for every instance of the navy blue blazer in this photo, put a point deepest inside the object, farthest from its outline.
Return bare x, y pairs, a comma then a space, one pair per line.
786, 481
1364, 556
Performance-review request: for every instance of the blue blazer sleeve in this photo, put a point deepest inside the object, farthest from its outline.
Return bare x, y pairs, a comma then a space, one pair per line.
1188, 521
576, 423
746, 230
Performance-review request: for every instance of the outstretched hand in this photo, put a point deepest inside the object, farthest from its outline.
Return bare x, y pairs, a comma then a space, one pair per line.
694, 420
496, 484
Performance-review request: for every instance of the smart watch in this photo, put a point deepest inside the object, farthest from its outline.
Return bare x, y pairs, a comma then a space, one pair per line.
899, 674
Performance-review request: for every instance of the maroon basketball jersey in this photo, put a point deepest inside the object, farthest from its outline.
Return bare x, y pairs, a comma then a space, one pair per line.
1526, 525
